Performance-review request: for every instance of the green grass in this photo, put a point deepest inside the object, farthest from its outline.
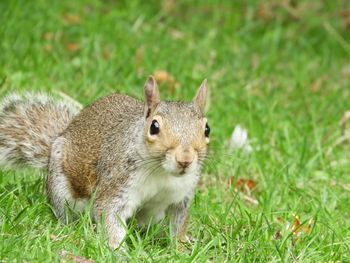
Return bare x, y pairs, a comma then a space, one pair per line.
284, 78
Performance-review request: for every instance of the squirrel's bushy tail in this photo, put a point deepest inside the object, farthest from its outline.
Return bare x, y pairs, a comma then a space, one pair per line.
28, 125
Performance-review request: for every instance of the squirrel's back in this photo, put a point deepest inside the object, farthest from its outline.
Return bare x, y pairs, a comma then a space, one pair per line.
85, 134
28, 125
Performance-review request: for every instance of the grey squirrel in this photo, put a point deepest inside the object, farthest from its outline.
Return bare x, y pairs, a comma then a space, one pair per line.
143, 157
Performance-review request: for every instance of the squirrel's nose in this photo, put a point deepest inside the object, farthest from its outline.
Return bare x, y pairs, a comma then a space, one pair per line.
184, 164
184, 156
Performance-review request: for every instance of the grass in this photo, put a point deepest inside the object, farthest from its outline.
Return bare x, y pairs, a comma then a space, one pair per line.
281, 71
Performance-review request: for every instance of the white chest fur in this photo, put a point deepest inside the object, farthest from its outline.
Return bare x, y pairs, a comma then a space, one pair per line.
153, 193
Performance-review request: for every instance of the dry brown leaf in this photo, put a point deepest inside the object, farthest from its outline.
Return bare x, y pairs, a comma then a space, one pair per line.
278, 235
280, 220
67, 256
265, 11
72, 238
245, 187
72, 47
346, 19
297, 229
163, 76
296, 224
315, 86
106, 53
242, 184
268, 11
168, 6
71, 19
319, 83
48, 36
166, 79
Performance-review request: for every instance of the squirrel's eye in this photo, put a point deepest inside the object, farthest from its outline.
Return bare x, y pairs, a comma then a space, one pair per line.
154, 128
207, 130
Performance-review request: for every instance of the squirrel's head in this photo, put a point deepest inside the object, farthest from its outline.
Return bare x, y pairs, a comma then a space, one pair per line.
176, 133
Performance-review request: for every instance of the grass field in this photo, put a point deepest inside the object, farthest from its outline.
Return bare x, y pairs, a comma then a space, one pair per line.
280, 69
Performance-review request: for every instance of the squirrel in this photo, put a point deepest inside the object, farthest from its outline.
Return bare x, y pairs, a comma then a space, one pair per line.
129, 157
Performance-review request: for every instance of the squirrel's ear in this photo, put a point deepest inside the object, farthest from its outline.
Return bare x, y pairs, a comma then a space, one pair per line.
151, 93
201, 96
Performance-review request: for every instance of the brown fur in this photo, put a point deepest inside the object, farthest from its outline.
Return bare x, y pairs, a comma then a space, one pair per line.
86, 134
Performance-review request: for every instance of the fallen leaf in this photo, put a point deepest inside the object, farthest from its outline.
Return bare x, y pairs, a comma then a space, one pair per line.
278, 235
163, 76
265, 11
106, 53
268, 10
346, 19
72, 47
168, 6
67, 256
71, 19
297, 229
296, 224
48, 35
166, 79
279, 219
242, 184
75, 239
315, 86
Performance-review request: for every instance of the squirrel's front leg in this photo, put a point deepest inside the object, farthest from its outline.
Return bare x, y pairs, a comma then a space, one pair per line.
178, 215
115, 213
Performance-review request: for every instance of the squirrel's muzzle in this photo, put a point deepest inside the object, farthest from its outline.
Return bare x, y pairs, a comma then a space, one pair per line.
184, 156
